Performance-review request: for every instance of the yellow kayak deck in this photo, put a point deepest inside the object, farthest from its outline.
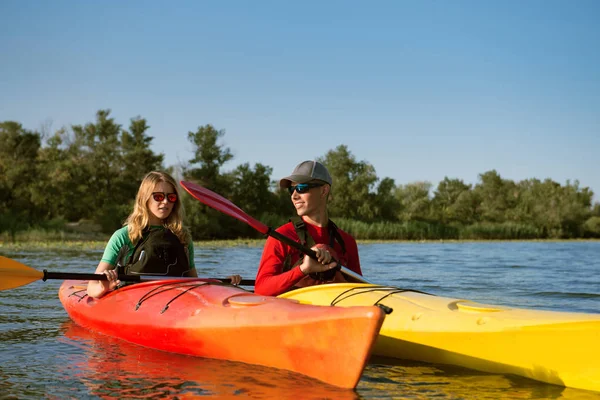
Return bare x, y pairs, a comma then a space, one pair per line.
561, 348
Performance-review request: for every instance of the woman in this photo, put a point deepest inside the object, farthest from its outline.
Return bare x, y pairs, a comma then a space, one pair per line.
152, 241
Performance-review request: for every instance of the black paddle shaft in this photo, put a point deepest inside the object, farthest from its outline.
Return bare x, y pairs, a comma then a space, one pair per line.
353, 276
289, 241
308, 251
87, 277
124, 278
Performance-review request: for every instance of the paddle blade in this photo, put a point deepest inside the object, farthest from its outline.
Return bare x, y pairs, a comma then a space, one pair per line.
14, 274
220, 203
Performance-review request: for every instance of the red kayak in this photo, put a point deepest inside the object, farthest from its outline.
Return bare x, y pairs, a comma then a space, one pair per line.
202, 318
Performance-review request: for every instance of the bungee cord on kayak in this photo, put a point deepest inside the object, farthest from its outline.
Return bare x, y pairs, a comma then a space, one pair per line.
77, 293
165, 288
362, 290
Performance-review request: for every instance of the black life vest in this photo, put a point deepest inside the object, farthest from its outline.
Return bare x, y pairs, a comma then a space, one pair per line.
158, 252
308, 241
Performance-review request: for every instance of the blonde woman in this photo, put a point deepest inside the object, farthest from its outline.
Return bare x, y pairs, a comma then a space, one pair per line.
152, 241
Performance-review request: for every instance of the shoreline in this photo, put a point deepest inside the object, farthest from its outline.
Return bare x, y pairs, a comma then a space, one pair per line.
93, 245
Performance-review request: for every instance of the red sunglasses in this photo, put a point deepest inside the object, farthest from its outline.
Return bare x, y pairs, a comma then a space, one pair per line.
160, 196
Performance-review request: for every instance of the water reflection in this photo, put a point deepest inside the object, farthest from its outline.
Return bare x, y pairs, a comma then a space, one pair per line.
112, 368
399, 379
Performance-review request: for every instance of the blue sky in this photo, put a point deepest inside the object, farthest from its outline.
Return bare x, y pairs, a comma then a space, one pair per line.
420, 89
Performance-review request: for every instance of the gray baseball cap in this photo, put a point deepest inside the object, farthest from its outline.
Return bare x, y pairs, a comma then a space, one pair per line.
305, 172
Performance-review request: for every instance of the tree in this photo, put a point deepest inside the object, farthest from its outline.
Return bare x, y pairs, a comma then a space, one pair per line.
209, 158
96, 148
352, 184
18, 152
464, 210
94, 170
574, 208
558, 211
251, 188
496, 196
415, 201
205, 169
386, 205
453, 202
62, 184
138, 157
596, 210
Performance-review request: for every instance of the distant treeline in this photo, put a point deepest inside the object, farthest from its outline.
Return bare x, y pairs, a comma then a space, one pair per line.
91, 173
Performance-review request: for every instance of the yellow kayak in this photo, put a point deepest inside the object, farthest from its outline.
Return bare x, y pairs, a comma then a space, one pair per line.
561, 348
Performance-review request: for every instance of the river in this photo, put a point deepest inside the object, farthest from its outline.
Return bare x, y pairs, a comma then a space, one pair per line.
44, 355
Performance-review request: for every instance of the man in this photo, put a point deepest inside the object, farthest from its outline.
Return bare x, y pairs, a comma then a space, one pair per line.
283, 267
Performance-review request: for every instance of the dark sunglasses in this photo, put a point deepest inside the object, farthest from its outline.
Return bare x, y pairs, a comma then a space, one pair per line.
160, 196
303, 187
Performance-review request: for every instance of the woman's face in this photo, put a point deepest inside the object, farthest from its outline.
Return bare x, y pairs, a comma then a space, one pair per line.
160, 203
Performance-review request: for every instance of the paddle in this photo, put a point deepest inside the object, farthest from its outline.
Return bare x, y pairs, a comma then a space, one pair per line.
220, 203
14, 274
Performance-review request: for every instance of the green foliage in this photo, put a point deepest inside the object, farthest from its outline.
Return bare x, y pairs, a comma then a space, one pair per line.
204, 222
495, 196
83, 180
209, 158
112, 216
18, 173
250, 189
273, 219
591, 227
495, 231
89, 172
385, 202
12, 223
454, 202
415, 204
352, 184
246, 187
283, 205
407, 230
138, 158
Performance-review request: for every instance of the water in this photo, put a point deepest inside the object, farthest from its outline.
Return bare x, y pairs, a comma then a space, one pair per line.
44, 355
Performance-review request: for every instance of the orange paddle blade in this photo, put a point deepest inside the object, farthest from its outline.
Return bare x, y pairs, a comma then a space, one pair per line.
14, 274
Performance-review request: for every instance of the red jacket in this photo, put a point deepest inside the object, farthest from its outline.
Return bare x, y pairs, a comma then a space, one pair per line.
272, 281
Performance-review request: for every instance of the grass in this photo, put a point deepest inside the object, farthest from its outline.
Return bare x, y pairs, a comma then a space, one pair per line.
80, 244
77, 245
367, 234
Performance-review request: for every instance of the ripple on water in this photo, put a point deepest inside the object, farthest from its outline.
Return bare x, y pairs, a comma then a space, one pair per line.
40, 357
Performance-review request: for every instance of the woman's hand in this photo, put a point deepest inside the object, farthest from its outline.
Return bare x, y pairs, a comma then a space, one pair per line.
113, 279
99, 288
235, 279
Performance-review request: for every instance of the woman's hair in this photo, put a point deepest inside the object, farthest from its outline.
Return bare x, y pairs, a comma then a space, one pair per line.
139, 219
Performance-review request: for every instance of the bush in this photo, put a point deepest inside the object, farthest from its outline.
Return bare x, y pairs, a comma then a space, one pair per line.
498, 231
409, 230
591, 227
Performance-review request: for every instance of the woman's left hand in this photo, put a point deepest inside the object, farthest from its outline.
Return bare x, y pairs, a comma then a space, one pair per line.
235, 279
